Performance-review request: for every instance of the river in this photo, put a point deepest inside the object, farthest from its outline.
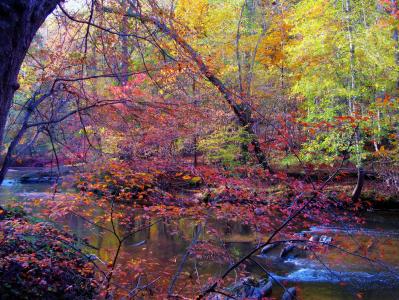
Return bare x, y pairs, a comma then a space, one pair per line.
323, 276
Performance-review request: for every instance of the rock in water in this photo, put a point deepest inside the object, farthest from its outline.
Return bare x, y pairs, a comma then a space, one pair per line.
266, 290
267, 248
138, 244
245, 288
289, 294
262, 291
287, 250
325, 239
249, 288
314, 238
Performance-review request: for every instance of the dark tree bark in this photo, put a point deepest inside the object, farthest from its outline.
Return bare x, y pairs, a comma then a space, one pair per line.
19, 22
359, 184
123, 63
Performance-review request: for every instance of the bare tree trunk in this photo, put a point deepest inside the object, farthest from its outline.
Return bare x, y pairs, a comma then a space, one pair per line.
348, 11
19, 22
351, 103
396, 39
125, 47
195, 142
394, 4
238, 56
359, 184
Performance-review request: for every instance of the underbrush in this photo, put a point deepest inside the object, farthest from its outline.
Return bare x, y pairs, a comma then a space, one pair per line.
247, 194
38, 261
122, 183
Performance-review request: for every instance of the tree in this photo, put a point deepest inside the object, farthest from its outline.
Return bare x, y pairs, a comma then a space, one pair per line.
238, 105
341, 72
20, 20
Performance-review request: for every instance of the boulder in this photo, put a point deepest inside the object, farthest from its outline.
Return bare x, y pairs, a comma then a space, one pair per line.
314, 238
262, 291
138, 244
250, 288
325, 239
287, 250
267, 248
246, 287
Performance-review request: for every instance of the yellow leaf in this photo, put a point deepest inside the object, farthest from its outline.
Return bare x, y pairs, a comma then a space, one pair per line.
196, 179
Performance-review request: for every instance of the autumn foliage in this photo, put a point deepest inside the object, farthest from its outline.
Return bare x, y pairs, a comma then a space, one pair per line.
39, 261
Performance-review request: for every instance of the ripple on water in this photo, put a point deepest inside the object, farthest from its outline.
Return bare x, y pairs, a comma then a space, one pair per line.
360, 279
9, 182
359, 230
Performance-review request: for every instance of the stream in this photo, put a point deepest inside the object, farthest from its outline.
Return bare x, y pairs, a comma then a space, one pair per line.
325, 276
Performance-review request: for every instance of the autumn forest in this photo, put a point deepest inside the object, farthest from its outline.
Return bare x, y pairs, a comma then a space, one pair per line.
208, 149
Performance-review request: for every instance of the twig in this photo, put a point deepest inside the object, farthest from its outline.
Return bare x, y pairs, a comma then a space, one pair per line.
184, 259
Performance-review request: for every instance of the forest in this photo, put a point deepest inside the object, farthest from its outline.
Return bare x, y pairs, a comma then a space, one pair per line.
207, 149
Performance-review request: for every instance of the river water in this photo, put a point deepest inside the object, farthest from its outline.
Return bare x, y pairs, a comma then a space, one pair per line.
326, 275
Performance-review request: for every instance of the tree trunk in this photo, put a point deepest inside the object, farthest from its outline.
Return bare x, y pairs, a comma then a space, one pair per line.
351, 103
19, 22
195, 142
394, 4
359, 185
124, 69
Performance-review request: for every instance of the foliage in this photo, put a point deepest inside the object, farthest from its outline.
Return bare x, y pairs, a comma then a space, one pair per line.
218, 111
121, 182
117, 182
38, 261
224, 145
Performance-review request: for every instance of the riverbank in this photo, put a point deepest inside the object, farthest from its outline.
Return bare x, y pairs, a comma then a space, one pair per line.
38, 261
